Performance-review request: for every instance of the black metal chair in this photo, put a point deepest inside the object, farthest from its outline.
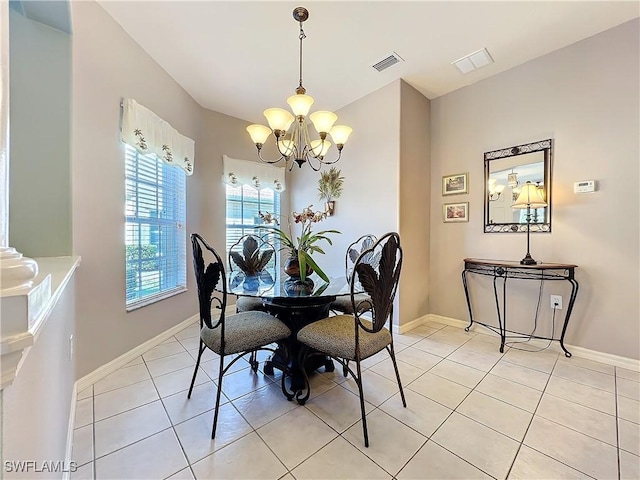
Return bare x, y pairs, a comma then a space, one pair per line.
238, 334
352, 337
361, 300
250, 254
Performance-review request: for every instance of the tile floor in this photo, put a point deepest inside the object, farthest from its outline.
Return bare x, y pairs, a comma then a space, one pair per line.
471, 413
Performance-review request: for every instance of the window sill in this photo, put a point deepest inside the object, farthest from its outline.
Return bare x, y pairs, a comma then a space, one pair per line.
25, 314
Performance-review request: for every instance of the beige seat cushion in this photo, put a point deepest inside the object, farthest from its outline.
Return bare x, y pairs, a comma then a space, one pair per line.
248, 304
343, 304
335, 336
245, 331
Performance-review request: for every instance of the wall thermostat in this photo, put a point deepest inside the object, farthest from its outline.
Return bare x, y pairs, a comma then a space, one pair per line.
586, 186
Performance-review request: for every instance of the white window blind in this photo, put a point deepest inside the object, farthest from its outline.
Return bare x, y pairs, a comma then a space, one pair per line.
155, 236
243, 206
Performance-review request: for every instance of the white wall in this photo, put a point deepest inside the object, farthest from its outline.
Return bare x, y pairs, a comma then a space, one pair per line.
586, 98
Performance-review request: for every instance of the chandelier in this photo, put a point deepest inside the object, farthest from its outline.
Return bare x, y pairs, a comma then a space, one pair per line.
291, 132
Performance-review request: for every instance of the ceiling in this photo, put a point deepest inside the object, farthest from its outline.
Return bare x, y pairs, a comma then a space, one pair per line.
239, 58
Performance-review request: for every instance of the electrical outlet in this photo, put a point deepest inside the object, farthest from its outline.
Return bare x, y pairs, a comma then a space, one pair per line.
70, 347
556, 302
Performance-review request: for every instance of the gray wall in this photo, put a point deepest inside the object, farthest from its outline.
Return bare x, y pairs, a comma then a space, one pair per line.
586, 98
414, 197
109, 65
386, 165
35, 408
369, 202
40, 138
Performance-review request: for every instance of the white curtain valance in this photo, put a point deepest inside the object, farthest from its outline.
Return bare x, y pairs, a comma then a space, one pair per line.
258, 175
149, 134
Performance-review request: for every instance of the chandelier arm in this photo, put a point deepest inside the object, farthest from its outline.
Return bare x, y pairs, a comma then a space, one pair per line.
282, 154
324, 162
309, 150
282, 157
310, 163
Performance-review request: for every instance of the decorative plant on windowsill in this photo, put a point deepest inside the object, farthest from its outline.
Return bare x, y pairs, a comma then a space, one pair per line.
300, 263
330, 187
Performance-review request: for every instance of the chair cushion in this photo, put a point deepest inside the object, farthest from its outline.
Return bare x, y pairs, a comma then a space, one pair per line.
335, 336
248, 304
343, 304
245, 331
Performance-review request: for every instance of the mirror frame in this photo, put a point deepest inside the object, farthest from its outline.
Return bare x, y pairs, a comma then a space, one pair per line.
545, 146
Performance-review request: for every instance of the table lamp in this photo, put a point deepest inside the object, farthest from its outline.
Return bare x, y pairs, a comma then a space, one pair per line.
529, 198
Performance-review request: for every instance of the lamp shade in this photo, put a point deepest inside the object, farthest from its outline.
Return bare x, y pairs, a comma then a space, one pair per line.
315, 147
340, 134
278, 118
258, 133
300, 104
323, 121
286, 147
529, 197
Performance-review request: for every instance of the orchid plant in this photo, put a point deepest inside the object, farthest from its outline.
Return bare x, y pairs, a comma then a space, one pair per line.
306, 243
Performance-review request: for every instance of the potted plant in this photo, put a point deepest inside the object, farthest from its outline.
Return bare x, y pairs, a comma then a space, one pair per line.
330, 187
300, 264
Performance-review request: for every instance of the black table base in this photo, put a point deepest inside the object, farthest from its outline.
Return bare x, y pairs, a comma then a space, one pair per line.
297, 313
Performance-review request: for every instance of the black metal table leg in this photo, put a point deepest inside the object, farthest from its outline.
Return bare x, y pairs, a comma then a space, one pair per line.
466, 294
572, 299
501, 316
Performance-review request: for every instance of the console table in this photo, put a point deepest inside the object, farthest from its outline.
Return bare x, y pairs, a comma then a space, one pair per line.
502, 270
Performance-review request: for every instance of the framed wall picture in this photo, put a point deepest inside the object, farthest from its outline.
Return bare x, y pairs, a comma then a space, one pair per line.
455, 212
455, 184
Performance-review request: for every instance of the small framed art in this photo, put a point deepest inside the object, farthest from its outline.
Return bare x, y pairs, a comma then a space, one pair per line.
455, 184
455, 212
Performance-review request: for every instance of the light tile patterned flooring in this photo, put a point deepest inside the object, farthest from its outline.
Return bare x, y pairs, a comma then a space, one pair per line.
471, 413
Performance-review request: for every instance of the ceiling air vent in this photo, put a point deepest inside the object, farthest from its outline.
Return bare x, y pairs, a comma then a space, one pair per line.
473, 61
387, 62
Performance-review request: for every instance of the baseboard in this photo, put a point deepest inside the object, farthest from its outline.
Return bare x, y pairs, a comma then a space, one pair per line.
596, 356
405, 327
602, 357
66, 472
454, 322
101, 372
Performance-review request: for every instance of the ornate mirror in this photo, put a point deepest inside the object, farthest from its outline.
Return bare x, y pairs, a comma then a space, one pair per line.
506, 171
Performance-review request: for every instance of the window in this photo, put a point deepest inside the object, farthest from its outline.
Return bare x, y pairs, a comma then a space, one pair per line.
243, 206
155, 236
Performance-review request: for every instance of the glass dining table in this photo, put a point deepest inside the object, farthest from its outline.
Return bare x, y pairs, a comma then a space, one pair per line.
295, 303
